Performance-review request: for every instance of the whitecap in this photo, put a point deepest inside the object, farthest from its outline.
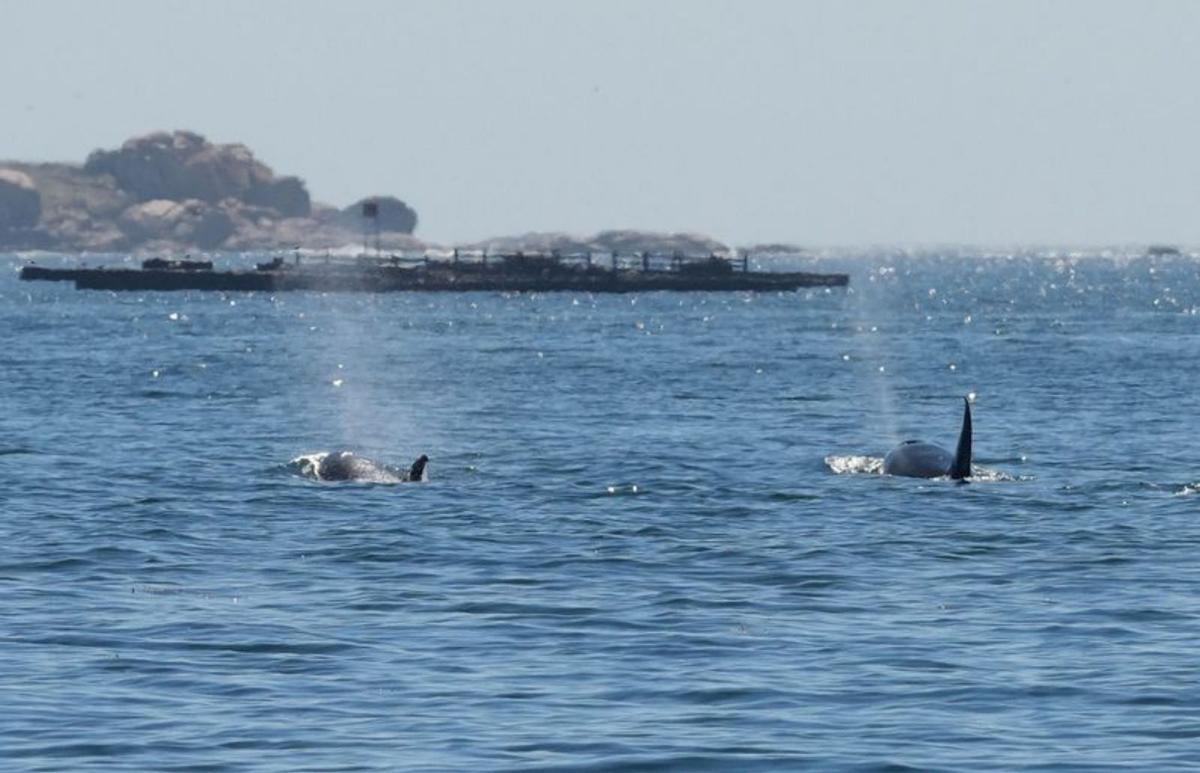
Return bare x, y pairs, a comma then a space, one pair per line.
306, 465
855, 465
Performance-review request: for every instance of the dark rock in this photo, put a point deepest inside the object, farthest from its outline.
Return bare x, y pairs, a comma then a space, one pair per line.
20, 202
285, 195
392, 214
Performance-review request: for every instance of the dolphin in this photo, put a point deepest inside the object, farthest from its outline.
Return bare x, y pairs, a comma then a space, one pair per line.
917, 459
344, 465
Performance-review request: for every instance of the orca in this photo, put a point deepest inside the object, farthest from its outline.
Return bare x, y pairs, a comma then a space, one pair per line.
345, 465
917, 459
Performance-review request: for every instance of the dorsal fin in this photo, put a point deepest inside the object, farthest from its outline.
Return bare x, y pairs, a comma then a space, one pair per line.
961, 469
417, 471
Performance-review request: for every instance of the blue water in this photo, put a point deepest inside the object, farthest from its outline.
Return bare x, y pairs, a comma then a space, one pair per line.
652, 538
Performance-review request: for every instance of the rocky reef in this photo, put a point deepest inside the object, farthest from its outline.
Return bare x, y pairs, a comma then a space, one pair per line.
622, 241
176, 191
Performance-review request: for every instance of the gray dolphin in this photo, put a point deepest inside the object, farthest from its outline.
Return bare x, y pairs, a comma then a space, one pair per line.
917, 459
344, 465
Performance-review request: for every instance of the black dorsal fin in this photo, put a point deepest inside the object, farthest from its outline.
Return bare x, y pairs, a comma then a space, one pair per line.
961, 469
417, 472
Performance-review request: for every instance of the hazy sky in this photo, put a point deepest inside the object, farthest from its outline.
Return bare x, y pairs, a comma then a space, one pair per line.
841, 122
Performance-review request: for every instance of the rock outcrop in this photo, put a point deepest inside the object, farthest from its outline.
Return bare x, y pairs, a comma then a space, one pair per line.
621, 241
20, 202
176, 191
391, 214
285, 195
183, 165
191, 222
773, 248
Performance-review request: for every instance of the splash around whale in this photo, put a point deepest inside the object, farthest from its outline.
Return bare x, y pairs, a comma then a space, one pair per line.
918, 459
343, 465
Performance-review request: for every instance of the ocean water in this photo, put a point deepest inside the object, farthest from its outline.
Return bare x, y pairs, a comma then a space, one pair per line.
654, 535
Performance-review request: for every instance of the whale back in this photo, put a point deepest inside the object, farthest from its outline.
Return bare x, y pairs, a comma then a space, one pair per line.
344, 465
916, 459
347, 466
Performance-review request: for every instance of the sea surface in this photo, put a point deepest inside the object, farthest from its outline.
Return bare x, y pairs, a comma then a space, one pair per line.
654, 535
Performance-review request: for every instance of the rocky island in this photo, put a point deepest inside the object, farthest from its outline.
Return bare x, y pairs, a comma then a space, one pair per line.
176, 191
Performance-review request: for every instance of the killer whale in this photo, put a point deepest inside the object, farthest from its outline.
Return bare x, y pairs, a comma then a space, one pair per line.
345, 465
917, 459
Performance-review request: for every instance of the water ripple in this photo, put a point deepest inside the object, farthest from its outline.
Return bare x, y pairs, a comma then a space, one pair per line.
634, 553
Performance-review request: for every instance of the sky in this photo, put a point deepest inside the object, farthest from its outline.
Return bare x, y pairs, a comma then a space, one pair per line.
839, 122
